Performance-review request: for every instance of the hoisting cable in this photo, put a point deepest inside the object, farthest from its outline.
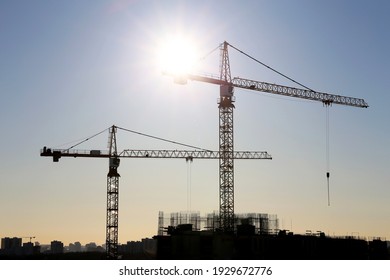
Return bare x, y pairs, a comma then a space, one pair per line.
272, 69
162, 139
189, 161
327, 150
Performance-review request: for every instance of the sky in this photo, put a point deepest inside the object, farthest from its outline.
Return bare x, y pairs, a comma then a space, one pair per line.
70, 69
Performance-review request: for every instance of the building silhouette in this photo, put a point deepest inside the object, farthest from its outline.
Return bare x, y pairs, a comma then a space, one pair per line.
144, 249
56, 247
13, 247
11, 243
75, 247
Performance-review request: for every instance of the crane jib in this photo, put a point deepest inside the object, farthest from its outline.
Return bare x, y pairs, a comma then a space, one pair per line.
237, 82
298, 92
183, 154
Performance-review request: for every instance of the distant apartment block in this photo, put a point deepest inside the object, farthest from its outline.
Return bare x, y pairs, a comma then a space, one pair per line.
146, 246
11, 243
56, 247
75, 247
13, 247
92, 247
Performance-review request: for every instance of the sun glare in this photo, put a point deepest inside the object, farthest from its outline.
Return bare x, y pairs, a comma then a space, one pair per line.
177, 55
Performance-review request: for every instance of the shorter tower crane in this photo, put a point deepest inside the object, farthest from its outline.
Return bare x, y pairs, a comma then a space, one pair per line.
30, 237
113, 175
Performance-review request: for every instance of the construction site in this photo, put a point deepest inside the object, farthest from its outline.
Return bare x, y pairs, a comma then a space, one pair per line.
192, 221
225, 234
256, 236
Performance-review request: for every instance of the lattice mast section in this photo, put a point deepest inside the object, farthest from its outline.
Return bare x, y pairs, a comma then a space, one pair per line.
112, 198
226, 150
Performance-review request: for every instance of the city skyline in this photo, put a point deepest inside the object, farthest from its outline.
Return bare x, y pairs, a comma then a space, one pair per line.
339, 248
70, 70
15, 248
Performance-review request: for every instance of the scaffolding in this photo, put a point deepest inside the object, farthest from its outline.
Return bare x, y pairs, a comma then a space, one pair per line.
263, 223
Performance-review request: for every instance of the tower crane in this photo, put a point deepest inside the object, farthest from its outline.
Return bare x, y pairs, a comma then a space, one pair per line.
226, 105
113, 175
30, 237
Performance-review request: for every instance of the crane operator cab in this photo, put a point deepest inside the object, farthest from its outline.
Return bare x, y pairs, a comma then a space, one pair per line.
226, 90
226, 98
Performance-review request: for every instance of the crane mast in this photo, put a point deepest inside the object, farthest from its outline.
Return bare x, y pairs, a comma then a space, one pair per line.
226, 149
112, 216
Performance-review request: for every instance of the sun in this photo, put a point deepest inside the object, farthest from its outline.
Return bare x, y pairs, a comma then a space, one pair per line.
177, 55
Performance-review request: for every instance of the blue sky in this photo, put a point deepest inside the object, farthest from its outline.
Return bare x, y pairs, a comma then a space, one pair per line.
69, 69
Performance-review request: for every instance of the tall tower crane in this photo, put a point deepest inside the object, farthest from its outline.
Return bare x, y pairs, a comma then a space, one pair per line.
113, 175
226, 106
